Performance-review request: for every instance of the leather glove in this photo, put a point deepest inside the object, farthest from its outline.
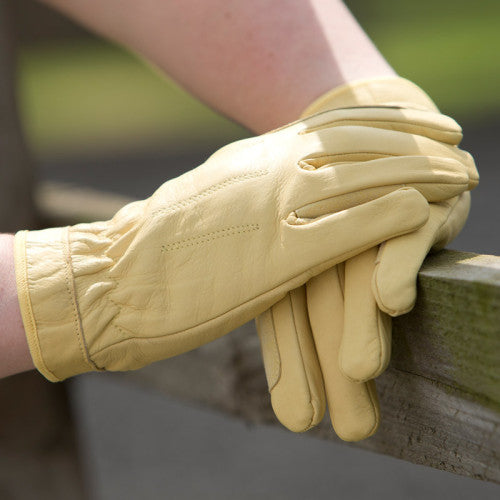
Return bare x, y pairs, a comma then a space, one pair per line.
337, 311
220, 244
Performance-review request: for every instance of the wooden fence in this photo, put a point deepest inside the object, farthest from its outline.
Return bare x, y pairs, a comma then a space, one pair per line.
440, 397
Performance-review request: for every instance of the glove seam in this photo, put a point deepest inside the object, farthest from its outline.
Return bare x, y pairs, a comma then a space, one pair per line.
26, 307
308, 425
297, 281
341, 123
380, 366
77, 320
304, 160
204, 238
374, 402
208, 191
278, 377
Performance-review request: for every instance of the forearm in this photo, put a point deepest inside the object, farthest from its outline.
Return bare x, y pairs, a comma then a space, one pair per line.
14, 352
260, 62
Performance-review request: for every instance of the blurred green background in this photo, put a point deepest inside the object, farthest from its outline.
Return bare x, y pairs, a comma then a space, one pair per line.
82, 95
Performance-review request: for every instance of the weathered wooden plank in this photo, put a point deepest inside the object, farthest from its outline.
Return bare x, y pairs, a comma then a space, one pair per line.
454, 330
440, 397
61, 204
424, 421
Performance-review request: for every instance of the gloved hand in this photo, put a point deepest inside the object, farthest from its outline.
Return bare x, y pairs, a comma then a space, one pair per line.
340, 311
220, 244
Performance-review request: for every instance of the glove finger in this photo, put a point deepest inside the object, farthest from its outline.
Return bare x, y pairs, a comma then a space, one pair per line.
399, 259
428, 124
470, 166
354, 410
455, 222
365, 348
355, 143
292, 368
436, 178
352, 231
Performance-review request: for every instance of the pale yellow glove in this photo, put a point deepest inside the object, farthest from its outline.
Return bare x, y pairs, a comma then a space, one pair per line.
219, 245
365, 346
347, 325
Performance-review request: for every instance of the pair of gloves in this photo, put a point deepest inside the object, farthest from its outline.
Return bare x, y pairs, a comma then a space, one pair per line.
336, 330
285, 226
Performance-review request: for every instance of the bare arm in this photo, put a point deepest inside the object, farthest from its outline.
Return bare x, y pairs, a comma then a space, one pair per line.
260, 62
14, 352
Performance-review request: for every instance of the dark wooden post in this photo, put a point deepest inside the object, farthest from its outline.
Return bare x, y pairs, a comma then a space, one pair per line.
38, 458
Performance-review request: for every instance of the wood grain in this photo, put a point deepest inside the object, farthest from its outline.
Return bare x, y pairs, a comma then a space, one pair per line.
440, 397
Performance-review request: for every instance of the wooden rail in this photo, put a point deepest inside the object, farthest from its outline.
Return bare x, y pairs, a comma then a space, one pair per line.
440, 397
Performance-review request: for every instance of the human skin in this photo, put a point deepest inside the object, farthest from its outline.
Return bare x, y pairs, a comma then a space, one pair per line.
261, 63
14, 353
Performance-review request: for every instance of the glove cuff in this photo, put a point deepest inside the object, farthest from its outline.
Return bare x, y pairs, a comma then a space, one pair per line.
49, 309
389, 91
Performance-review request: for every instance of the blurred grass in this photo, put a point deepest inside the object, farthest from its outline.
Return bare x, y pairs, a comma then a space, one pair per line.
450, 48
90, 95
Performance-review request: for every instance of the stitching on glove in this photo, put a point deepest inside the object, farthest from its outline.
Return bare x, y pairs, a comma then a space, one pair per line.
291, 283
70, 286
209, 191
204, 238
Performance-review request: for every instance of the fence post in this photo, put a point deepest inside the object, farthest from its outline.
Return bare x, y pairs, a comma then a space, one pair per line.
38, 456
